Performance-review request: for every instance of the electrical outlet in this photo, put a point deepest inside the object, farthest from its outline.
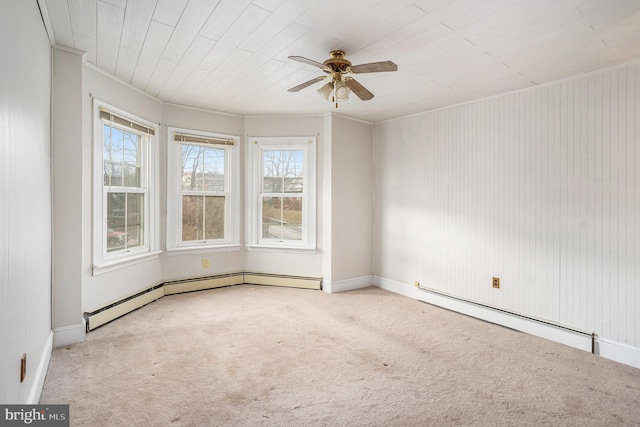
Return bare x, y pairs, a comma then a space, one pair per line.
416, 284
496, 282
23, 367
205, 262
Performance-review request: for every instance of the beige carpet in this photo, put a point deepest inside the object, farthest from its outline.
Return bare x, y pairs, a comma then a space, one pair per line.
251, 355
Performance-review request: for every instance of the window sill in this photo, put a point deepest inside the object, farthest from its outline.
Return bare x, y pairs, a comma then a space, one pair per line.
107, 267
284, 249
195, 250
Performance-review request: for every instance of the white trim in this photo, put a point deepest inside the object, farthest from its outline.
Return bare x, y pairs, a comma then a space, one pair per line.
125, 262
534, 85
617, 351
103, 262
395, 287
205, 110
350, 118
267, 116
122, 82
73, 51
347, 284
196, 250
41, 371
46, 19
285, 248
71, 334
256, 144
231, 193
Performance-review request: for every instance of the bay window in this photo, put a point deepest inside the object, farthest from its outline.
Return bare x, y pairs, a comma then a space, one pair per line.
203, 187
124, 198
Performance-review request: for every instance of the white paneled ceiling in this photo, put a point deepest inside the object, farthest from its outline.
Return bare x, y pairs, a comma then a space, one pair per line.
231, 55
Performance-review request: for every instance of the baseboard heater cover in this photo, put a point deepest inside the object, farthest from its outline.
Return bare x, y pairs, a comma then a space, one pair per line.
559, 333
118, 309
287, 281
200, 284
111, 312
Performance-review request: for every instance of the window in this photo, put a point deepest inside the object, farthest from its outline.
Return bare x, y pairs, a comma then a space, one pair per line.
203, 201
283, 196
124, 199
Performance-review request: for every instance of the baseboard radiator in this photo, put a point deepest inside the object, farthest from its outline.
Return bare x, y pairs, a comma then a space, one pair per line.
119, 308
563, 334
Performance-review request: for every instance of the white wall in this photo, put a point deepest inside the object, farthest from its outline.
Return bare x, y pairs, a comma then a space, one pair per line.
103, 289
67, 174
351, 199
181, 266
100, 290
25, 201
297, 264
537, 187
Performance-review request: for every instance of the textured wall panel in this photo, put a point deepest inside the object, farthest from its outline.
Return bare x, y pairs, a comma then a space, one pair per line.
537, 187
25, 197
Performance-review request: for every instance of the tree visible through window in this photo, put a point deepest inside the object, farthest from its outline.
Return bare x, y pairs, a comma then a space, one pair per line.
124, 156
124, 188
282, 194
203, 190
203, 197
283, 185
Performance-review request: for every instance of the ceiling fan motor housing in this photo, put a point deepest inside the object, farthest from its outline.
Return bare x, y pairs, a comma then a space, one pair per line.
337, 63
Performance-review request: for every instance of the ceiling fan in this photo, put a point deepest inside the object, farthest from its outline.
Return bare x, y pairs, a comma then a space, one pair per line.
338, 69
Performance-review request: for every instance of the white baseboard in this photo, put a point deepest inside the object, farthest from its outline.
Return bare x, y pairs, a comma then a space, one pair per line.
347, 284
66, 335
395, 287
41, 372
582, 340
618, 352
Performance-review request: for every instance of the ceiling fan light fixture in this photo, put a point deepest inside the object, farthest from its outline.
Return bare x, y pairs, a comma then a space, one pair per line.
342, 91
326, 90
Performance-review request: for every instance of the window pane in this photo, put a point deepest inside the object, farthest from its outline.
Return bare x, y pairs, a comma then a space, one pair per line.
213, 160
135, 219
203, 168
112, 155
107, 154
125, 220
116, 221
282, 218
131, 159
283, 171
214, 217
192, 219
122, 157
202, 218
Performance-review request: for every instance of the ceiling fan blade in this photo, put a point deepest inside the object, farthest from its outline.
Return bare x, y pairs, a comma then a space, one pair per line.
308, 61
358, 89
374, 67
306, 84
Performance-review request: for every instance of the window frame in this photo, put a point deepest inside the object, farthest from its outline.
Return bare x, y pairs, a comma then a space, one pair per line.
231, 240
257, 145
104, 261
